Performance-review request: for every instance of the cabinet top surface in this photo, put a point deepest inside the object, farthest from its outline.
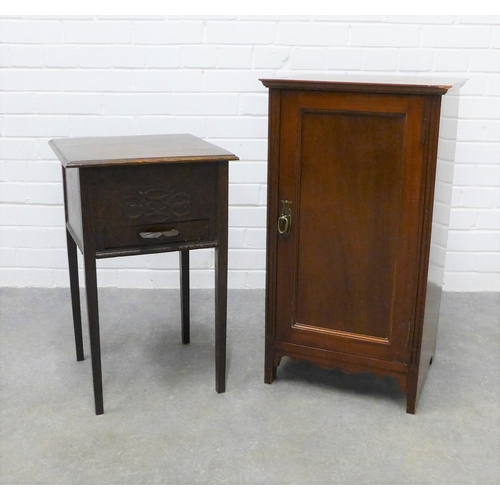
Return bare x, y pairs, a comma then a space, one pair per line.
366, 83
128, 150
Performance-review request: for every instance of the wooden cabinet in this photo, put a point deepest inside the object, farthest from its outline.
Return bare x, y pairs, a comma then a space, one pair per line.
359, 188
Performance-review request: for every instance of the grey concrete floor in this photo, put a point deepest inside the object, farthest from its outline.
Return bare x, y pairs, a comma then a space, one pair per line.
165, 424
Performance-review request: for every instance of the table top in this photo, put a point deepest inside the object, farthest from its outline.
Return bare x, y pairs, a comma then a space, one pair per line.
77, 152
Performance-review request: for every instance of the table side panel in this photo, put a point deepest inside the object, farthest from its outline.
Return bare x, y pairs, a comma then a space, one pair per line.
73, 204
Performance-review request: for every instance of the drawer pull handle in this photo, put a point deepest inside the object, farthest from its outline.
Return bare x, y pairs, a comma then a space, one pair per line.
285, 219
159, 234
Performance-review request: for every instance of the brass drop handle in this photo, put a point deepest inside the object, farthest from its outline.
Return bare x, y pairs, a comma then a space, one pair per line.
159, 234
285, 219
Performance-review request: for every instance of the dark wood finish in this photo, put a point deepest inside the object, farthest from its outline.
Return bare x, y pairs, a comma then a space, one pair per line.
436, 209
75, 295
221, 280
91, 292
94, 333
73, 205
346, 287
172, 232
82, 152
185, 302
271, 361
130, 200
139, 195
374, 84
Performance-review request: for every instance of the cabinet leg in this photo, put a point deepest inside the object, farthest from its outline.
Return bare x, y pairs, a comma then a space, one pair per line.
184, 275
220, 317
411, 405
270, 375
75, 295
412, 392
270, 368
95, 343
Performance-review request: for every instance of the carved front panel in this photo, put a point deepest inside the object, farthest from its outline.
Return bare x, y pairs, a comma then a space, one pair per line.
156, 205
131, 196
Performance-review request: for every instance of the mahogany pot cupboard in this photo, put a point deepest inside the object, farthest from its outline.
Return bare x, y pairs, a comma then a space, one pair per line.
359, 191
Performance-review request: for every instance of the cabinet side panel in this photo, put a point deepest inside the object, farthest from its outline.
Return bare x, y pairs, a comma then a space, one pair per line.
444, 159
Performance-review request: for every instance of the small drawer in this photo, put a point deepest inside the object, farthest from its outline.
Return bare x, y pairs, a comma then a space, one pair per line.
159, 234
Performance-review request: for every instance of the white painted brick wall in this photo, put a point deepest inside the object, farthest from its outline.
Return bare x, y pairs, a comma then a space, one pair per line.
110, 75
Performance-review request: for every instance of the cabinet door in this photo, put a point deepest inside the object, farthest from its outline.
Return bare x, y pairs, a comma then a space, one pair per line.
351, 165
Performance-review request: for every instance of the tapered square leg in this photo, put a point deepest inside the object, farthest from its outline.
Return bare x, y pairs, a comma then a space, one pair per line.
220, 317
95, 343
184, 277
221, 280
75, 295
